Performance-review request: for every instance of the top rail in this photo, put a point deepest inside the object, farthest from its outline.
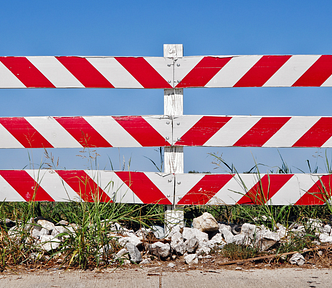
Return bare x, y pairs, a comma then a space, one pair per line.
166, 72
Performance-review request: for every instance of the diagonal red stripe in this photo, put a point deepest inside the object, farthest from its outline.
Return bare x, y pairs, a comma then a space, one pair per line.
319, 193
203, 72
202, 131
143, 72
26, 72
85, 72
264, 189
84, 186
317, 135
205, 189
24, 132
143, 187
82, 131
261, 132
25, 185
141, 130
318, 73
262, 71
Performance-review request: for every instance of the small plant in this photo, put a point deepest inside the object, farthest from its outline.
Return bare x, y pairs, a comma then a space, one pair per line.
238, 252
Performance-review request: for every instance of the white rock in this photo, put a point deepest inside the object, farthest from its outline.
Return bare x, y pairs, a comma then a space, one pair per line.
249, 230
177, 243
266, 239
46, 224
242, 239
228, 236
133, 239
171, 265
121, 253
158, 231
193, 232
191, 259
48, 242
206, 223
297, 259
135, 255
160, 249
146, 261
325, 238
224, 226
175, 229
58, 230
203, 250
191, 244
327, 229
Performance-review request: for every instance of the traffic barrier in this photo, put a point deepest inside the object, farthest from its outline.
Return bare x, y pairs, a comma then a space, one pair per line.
173, 72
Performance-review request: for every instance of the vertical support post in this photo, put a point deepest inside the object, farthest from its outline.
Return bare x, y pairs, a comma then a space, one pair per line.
173, 156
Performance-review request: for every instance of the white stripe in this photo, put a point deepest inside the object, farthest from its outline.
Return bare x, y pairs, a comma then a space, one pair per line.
293, 190
114, 187
53, 184
182, 124
159, 123
114, 72
7, 140
53, 132
328, 143
291, 71
184, 66
8, 79
112, 131
232, 131
8, 193
233, 71
55, 72
234, 189
291, 131
160, 65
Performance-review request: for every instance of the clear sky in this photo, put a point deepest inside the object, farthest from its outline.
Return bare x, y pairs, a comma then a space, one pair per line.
140, 28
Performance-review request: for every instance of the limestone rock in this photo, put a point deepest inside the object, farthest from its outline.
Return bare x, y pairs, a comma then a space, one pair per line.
191, 259
159, 249
191, 244
48, 242
135, 255
133, 239
249, 230
228, 236
206, 223
193, 232
297, 259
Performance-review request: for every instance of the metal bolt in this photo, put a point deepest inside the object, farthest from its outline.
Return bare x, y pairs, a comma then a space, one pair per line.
168, 122
169, 180
169, 65
179, 182
178, 123
169, 81
167, 138
178, 64
179, 139
168, 196
179, 197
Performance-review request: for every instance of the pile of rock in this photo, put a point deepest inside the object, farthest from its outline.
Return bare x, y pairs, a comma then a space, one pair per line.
205, 235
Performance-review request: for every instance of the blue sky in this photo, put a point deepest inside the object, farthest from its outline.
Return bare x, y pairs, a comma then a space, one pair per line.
140, 28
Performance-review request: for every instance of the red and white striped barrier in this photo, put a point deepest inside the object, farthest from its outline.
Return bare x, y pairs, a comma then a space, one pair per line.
252, 131
89, 131
270, 189
85, 72
86, 185
254, 71
164, 73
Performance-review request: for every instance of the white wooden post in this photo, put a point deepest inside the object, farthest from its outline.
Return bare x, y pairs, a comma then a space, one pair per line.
173, 156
